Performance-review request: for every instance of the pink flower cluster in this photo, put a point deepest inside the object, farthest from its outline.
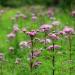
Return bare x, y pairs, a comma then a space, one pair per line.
34, 17
50, 12
36, 64
15, 28
53, 36
11, 35
45, 27
68, 30
61, 32
32, 33
36, 53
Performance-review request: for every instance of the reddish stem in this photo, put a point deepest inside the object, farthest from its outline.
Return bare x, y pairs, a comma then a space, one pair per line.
31, 61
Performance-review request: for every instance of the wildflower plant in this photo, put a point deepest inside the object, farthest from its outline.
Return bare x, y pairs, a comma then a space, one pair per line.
46, 29
69, 33
32, 34
53, 37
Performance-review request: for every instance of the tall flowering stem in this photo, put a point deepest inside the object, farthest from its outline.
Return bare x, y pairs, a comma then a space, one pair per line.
70, 50
31, 62
45, 39
53, 60
45, 28
32, 35
69, 31
70, 46
54, 37
61, 33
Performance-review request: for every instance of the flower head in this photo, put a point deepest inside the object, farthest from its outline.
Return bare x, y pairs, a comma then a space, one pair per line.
73, 13
11, 49
17, 16
53, 36
1, 11
45, 27
15, 28
34, 18
36, 53
24, 44
68, 30
24, 30
32, 33
55, 23
61, 32
24, 17
18, 61
11, 35
50, 12
55, 47
36, 64
47, 41
1, 56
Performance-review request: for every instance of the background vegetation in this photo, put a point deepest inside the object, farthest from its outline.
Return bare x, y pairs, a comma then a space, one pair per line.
16, 3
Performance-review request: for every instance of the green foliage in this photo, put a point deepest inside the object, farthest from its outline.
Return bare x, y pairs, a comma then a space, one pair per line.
16, 3
62, 64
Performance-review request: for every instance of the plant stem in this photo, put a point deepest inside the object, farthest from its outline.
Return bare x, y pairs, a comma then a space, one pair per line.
61, 41
31, 61
70, 46
1, 68
45, 38
53, 60
70, 49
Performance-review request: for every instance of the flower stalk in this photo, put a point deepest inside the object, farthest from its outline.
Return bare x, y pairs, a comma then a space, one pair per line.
31, 61
53, 60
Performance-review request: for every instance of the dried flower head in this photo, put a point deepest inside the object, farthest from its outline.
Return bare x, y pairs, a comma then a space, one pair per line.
56, 23
73, 13
1, 56
1, 11
36, 64
55, 47
11, 49
15, 28
24, 30
18, 61
47, 41
11, 35
24, 44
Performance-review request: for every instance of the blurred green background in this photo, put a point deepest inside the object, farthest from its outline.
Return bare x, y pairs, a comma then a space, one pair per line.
19, 3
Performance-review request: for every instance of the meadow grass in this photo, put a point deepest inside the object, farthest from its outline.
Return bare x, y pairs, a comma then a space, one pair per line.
61, 63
